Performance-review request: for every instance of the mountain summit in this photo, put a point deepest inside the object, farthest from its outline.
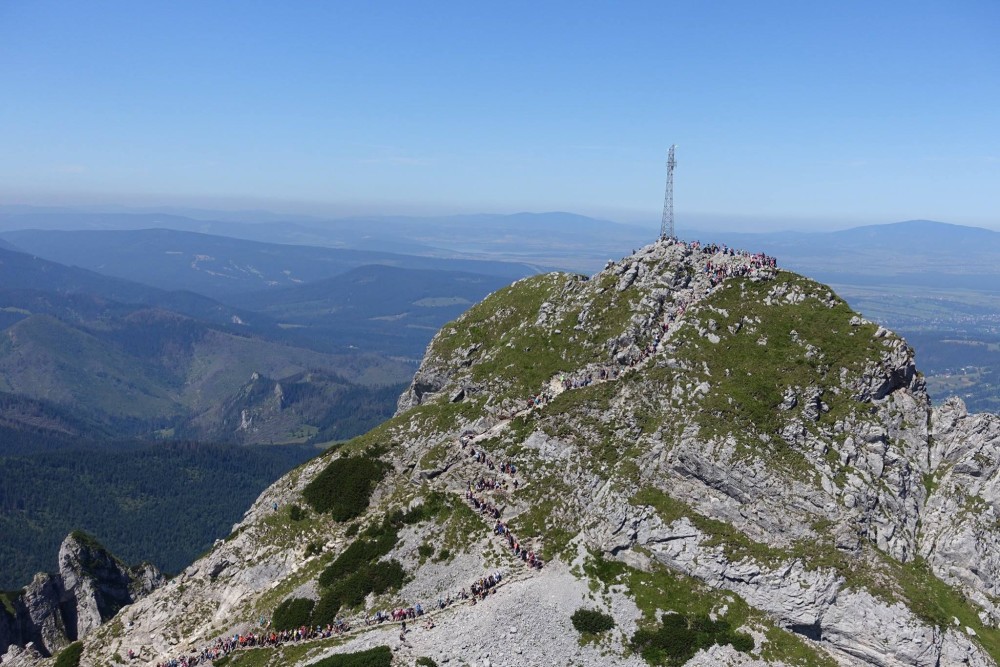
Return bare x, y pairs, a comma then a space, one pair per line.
692, 457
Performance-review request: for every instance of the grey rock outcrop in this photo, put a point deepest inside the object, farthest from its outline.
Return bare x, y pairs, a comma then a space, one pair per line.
89, 589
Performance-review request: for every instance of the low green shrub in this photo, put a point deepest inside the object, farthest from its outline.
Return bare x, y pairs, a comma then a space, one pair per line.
326, 609
426, 662
356, 556
742, 642
295, 513
591, 621
292, 613
378, 578
378, 539
70, 656
380, 656
679, 637
344, 488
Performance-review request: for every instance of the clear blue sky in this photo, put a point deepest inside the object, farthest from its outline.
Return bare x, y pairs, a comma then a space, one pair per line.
786, 113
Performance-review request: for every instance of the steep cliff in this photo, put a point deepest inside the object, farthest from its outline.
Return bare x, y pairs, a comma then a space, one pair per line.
719, 455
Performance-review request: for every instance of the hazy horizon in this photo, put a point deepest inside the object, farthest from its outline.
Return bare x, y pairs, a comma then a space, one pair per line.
258, 211
786, 117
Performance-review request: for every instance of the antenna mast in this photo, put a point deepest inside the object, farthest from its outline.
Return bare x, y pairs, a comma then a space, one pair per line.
667, 224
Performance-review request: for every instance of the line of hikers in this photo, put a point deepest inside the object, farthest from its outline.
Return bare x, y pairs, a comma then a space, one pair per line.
520, 551
506, 467
487, 508
481, 505
223, 646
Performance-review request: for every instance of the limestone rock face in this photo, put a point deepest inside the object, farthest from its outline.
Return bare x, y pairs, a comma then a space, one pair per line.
96, 585
960, 537
45, 625
89, 589
22, 656
690, 431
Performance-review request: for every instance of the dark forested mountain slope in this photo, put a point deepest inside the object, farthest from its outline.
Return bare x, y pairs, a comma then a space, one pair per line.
165, 503
45, 358
156, 368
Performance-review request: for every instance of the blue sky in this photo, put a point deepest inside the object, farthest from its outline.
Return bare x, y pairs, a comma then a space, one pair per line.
787, 114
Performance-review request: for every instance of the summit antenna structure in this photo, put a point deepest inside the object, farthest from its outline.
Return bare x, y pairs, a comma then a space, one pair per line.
667, 224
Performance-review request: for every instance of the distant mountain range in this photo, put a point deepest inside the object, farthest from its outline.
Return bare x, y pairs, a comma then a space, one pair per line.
919, 252
131, 359
556, 239
219, 266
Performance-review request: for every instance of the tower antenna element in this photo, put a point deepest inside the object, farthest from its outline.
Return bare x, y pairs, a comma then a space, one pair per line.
667, 224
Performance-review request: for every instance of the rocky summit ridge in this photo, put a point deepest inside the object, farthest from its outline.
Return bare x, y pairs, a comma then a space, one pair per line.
717, 455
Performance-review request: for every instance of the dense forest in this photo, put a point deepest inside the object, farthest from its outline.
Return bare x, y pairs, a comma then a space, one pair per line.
162, 502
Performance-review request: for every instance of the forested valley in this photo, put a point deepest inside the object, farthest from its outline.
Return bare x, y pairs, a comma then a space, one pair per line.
162, 502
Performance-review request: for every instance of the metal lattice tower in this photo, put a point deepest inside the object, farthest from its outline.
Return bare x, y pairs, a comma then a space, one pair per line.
667, 224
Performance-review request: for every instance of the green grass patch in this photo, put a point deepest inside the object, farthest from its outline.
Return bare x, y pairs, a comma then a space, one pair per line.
930, 598
357, 555
350, 591
358, 572
547, 516
735, 544
939, 604
791, 649
663, 590
326, 609
749, 379
435, 455
513, 356
7, 599
289, 654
